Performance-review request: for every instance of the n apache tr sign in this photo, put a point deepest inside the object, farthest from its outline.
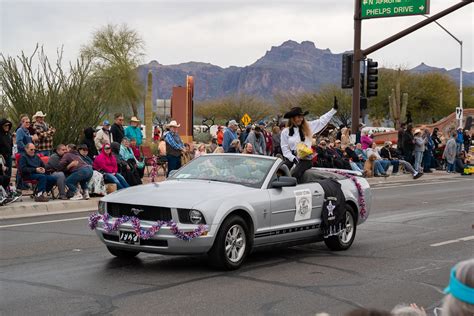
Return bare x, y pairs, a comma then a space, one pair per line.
387, 8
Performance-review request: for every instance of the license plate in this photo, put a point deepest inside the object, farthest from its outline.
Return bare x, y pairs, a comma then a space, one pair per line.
129, 238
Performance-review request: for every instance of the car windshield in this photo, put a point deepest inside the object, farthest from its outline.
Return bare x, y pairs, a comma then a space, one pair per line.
246, 170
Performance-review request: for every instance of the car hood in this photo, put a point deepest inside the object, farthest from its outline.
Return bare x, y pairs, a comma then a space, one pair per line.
175, 193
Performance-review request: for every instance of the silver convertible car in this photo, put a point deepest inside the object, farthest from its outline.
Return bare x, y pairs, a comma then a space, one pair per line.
226, 205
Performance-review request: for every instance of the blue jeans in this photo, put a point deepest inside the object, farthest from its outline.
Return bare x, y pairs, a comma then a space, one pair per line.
450, 167
118, 179
45, 182
355, 166
418, 159
173, 163
81, 176
378, 167
395, 164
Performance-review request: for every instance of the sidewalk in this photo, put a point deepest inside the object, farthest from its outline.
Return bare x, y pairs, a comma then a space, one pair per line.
408, 178
28, 207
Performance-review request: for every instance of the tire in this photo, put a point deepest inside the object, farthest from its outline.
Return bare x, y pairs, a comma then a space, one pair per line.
123, 254
235, 236
344, 240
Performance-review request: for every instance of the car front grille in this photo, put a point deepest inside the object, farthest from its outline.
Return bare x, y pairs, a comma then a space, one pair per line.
147, 213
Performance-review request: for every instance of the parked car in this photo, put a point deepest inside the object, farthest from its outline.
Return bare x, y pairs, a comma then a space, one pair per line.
244, 201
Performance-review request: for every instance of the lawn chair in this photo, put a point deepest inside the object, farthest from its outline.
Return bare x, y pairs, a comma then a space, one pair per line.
34, 183
148, 160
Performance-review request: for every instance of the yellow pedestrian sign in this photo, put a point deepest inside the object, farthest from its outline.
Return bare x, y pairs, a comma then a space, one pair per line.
246, 119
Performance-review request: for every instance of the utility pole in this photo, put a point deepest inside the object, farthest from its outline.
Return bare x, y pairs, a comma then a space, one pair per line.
356, 68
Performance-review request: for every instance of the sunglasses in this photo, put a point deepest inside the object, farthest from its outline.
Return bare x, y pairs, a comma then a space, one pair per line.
106, 148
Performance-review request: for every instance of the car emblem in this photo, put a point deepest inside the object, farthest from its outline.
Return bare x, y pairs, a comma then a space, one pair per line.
136, 211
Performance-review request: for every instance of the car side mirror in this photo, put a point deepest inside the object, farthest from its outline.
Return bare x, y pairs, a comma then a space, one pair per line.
283, 181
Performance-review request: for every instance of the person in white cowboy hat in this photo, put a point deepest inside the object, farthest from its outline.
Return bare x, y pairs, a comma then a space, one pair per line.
174, 146
419, 149
44, 144
134, 131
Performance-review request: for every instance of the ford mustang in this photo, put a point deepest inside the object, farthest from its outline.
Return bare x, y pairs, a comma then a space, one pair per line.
226, 205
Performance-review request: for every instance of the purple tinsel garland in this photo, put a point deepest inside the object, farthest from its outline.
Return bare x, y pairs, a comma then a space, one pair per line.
361, 197
142, 233
154, 168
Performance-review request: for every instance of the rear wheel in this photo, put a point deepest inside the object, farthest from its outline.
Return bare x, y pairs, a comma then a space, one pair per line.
344, 240
231, 245
121, 253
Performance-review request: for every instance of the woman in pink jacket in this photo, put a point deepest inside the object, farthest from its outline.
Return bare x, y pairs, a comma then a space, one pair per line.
106, 164
365, 140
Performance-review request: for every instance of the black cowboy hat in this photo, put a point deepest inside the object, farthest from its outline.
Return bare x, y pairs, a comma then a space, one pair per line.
295, 112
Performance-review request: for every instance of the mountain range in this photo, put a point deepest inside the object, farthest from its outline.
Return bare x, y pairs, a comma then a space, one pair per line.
290, 67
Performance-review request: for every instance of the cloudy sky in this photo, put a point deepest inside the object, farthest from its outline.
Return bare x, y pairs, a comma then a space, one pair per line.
232, 32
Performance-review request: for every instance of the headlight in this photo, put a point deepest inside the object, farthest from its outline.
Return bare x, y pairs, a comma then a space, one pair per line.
195, 217
190, 216
102, 208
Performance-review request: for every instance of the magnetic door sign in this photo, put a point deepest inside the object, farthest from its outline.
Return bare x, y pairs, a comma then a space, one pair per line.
304, 204
388, 8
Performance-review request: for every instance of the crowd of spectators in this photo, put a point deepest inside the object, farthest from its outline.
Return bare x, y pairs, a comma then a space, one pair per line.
112, 153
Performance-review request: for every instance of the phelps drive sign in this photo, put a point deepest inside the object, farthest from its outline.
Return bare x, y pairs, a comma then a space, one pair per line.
387, 8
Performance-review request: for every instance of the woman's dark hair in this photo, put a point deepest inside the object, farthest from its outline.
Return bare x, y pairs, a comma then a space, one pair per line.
72, 146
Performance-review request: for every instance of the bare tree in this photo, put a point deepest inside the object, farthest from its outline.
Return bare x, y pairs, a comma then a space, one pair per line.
116, 52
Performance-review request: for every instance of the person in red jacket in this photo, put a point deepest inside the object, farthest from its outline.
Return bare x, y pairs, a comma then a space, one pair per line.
106, 164
220, 136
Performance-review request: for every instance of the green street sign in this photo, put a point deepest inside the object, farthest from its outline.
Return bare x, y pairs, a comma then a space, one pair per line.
387, 8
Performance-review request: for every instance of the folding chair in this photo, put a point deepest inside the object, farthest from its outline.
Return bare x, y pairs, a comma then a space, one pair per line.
148, 160
34, 183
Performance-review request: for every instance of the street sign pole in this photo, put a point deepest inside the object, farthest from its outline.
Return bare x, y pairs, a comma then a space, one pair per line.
356, 68
415, 27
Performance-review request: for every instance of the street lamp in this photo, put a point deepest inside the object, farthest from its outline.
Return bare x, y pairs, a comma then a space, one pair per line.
460, 67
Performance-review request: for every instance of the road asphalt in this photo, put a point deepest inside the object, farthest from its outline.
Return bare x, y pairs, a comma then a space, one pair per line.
417, 230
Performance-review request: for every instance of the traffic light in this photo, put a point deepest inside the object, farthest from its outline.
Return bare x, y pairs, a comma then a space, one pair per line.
372, 78
347, 81
363, 99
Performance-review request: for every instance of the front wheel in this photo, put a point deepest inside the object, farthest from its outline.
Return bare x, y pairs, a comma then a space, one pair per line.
231, 245
122, 254
344, 240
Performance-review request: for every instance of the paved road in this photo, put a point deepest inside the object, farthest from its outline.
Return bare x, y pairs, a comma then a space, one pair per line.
402, 254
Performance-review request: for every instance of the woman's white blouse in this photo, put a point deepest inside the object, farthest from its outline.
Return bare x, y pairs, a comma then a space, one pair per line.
288, 143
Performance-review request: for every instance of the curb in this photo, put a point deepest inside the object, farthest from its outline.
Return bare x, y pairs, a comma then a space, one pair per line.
30, 209
408, 178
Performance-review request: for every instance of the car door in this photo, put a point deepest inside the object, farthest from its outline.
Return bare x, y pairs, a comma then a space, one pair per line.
292, 216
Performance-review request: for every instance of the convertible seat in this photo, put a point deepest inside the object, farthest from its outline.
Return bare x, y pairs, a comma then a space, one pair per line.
334, 208
243, 171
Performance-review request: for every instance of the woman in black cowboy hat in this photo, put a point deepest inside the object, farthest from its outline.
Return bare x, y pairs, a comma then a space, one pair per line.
299, 130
